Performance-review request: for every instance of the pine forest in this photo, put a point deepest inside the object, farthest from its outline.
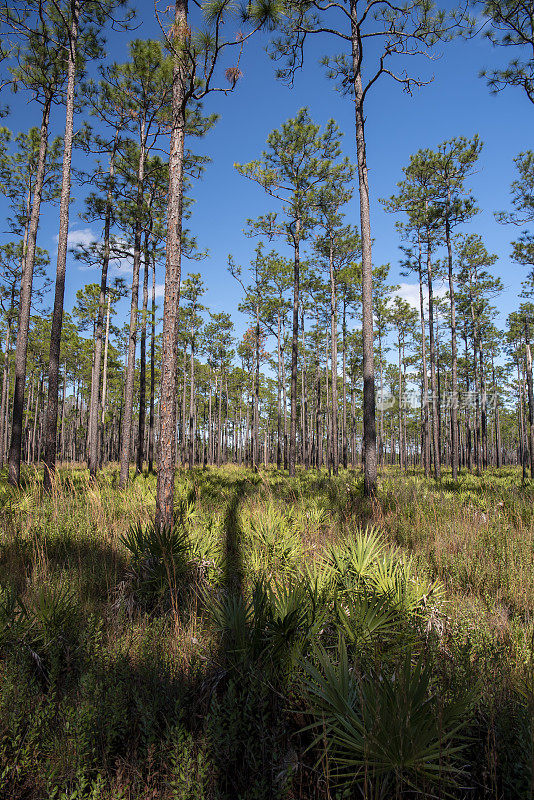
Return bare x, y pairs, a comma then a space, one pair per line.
266, 400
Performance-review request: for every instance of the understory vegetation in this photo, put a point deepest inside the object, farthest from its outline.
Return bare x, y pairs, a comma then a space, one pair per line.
288, 638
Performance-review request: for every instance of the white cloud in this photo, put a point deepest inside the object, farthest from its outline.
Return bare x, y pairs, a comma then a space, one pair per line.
84, 236
410, 293
160, 289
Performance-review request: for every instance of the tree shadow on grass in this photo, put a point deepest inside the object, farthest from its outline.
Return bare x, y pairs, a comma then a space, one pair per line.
245, 724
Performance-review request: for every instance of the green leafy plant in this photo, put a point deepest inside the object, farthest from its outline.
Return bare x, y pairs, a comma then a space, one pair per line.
160, 561
271, 628
353, 559
385, 730
395, 577
366, 618
275, 535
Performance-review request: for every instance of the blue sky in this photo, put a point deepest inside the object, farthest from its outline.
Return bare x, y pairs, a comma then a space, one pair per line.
457, 102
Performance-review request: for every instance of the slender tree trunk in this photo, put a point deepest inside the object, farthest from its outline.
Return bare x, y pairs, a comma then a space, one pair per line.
304, 400
168, 407
126, 447
210, 425
63, 399
328, 415
369, 421
530, 395
151, 427
433, 386
522, 449
294, 353
183, 426
401, 451
426, 432
284, 401
142, 363
5, 391
381, 379
483, 410
191, 437
104, 383
344, 433
454, 358
27, 434
246, 444
26, 284
94, 402
219, 426
37, 408
279, 399
50, 432
255, 413
353, 420
498, 446
318, 430
333, 336
476, 377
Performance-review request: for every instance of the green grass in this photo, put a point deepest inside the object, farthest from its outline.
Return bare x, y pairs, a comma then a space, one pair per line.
288, 640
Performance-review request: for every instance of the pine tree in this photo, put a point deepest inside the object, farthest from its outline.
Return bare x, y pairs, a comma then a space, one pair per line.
82, 23
396, 31
297, 162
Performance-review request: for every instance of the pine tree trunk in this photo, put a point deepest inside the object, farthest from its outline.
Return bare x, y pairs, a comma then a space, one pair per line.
498, 451
284, 401
50, 431
219, 426
426, 432
104, 385
381, 379
369, 421
126, 448
94, 402
5, 392
279, 399
530, 400
142, 363
151, 418
168, 405
401, 452
255, 413
454, 358
210, 425
294, 354
433, 386
344, 432
522, 446
304, 400
191, 435
36, 417
328, 415
333, 337
483, 411
26, 282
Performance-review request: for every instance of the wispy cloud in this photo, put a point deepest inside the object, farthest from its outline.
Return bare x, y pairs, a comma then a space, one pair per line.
84, 236
410, 293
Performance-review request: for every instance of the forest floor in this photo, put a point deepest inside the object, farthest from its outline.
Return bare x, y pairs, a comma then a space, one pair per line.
289, 639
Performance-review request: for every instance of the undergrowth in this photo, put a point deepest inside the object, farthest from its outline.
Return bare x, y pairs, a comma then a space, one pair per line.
286, 639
